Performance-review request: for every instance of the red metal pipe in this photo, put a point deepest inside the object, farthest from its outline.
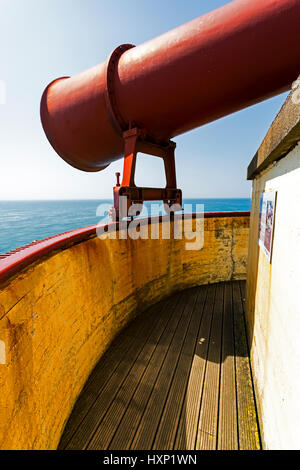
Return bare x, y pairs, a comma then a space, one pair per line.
217, 64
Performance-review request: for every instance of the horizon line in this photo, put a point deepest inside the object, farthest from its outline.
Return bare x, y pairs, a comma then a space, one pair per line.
111, 199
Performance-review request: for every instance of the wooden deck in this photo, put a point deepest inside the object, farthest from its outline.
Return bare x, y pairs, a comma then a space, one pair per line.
178, 377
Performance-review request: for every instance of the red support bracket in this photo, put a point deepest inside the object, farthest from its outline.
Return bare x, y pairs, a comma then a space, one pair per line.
135, 140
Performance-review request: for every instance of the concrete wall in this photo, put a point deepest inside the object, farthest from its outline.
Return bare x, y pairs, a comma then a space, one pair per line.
59, 315
273, 308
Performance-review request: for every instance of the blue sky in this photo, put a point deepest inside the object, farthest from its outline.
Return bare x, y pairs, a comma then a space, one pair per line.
45, 39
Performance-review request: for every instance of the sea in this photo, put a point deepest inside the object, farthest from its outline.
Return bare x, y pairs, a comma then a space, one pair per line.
22, 222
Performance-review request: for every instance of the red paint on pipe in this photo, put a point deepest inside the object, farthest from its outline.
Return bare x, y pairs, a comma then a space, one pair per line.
217, 64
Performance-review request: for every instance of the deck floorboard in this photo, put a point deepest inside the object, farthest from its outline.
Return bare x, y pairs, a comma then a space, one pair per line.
178, 377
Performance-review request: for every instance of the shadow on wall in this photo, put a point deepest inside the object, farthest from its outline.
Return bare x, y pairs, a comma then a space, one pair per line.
255, 255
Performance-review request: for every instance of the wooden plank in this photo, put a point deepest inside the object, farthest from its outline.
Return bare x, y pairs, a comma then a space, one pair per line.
166, 432
208, 420
150, 420
131, 419
105, 368
227, 427
89, 424
247, 420
107, 428
188, 423
179, 385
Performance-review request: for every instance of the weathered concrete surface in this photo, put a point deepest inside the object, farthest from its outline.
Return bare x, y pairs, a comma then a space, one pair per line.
58, 317
273, 311
282, 136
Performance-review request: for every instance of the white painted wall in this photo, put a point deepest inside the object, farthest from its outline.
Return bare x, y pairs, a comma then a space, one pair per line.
273, 307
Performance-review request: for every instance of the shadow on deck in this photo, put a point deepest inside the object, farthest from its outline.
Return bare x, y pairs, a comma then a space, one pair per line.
178, 377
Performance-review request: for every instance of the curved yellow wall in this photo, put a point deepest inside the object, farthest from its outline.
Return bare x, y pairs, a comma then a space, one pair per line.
59, 315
